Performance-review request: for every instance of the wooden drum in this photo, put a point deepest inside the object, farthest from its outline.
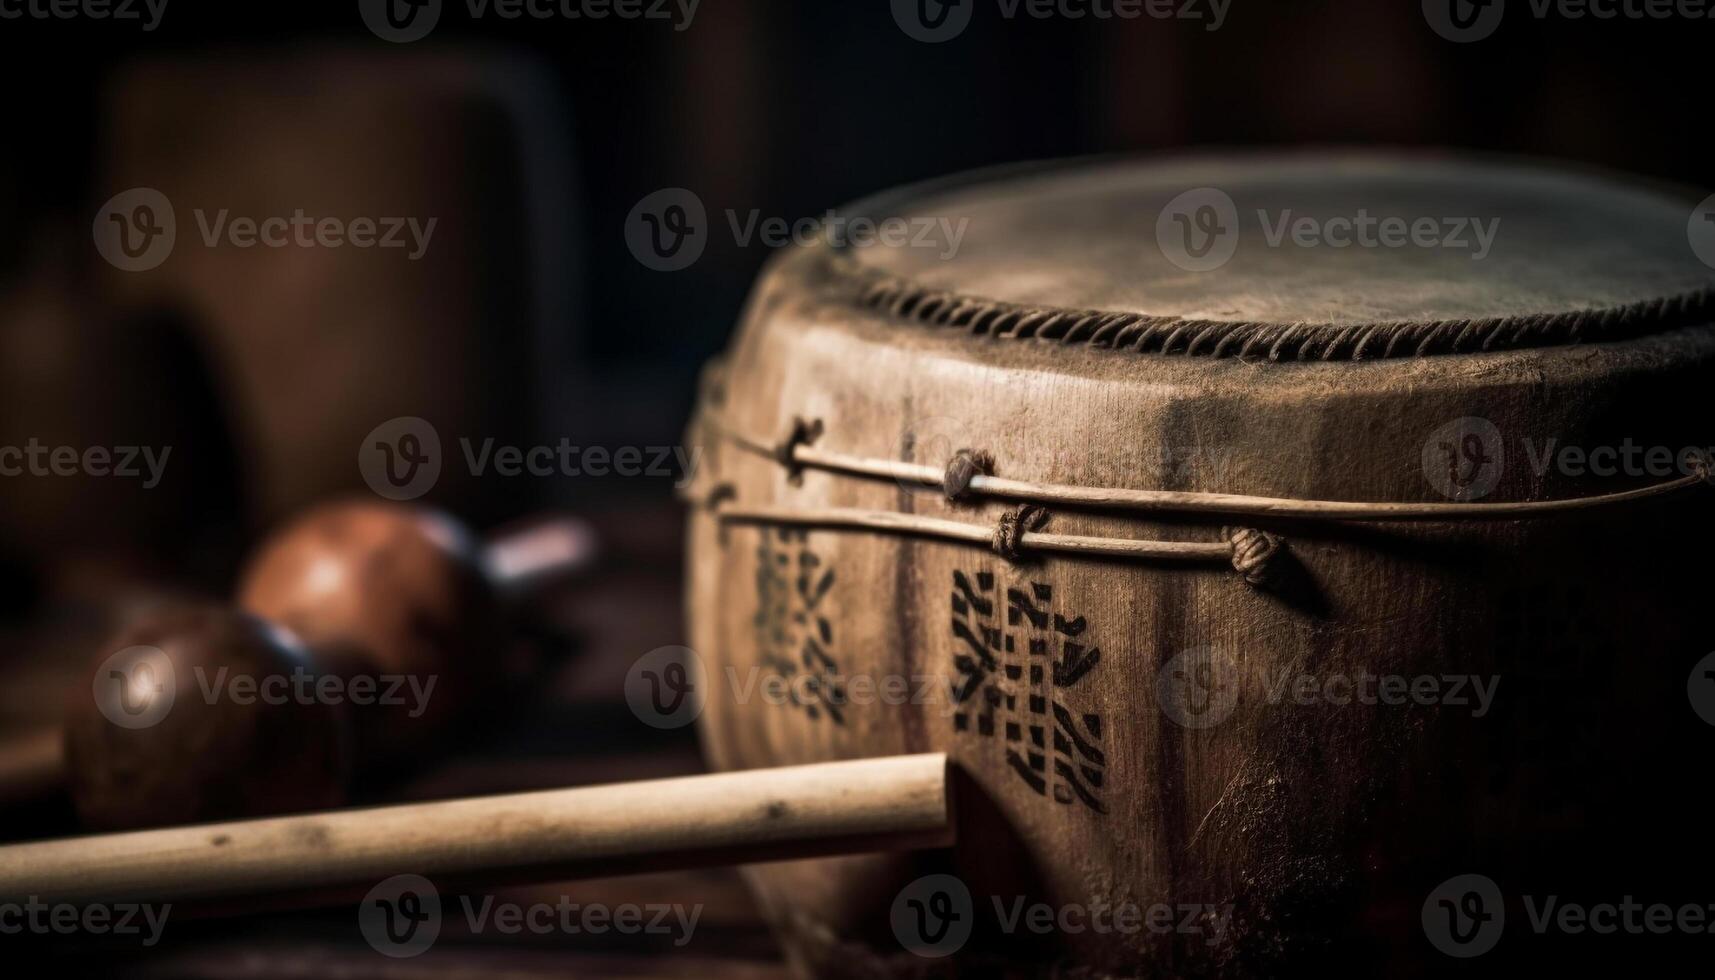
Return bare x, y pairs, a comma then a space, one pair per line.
1272, 541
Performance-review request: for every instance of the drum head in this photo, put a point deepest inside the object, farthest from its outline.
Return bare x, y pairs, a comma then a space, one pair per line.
1298, 256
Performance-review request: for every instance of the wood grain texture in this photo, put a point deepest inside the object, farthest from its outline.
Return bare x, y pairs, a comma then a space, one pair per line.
1321, 826
898, 803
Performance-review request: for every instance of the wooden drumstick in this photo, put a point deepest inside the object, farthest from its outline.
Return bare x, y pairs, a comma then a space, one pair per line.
373, 588
830, 808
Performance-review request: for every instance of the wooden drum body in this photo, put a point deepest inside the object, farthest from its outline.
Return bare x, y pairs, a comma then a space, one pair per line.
1290, 756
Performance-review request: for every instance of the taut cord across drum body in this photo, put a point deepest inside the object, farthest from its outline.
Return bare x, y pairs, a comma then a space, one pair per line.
971, 473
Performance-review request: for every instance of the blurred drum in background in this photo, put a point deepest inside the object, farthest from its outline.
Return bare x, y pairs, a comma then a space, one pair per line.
360, 239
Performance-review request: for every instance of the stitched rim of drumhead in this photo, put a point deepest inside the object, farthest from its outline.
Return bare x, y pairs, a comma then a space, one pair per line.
900, 298
1144, 333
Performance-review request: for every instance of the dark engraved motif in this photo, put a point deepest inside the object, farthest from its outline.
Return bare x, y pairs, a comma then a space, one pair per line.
1019, 672
795, 637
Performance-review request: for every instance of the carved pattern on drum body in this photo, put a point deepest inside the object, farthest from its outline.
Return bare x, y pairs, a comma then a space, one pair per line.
793, 632
1018, 664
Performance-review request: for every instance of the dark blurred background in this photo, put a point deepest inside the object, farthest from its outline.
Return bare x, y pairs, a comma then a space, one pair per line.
532, 139
528, 319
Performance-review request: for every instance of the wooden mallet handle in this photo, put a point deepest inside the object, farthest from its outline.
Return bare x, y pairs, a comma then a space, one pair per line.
894, 803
